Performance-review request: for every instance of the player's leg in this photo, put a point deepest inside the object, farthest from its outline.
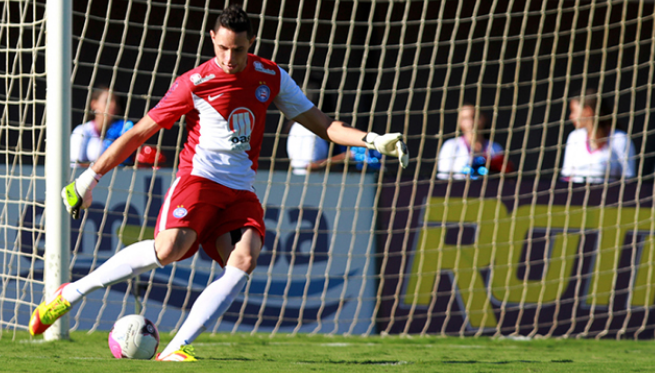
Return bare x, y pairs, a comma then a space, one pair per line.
219, 295
171, 243
138, 258
132, 261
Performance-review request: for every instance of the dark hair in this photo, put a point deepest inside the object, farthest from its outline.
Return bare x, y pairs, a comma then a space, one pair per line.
236, 19
95, 95
481, 114
590, 98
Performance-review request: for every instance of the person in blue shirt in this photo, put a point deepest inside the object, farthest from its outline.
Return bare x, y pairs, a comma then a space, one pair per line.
92, 138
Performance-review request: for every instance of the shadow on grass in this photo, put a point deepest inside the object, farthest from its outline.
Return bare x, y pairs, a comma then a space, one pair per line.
503, 361
230, 359
363, 362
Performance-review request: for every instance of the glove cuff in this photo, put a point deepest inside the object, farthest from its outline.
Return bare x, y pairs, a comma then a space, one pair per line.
87, 181
369, 140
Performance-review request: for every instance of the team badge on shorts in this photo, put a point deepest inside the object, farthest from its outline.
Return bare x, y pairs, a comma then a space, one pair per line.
263, 93
180, 212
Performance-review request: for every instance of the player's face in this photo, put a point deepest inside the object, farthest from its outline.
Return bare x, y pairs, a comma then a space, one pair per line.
231, 49
105, 105
582, 117
466, 119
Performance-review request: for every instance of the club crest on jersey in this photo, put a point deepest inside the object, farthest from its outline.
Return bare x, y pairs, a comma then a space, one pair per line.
263, 93
180, 212
260, 67
198, 79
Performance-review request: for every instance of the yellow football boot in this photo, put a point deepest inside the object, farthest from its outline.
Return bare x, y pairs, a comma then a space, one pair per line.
48, 312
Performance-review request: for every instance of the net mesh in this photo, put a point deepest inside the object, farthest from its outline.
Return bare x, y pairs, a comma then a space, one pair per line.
350, 249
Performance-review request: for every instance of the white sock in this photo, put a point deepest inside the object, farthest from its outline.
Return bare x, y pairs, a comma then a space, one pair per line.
132, 261
210, 305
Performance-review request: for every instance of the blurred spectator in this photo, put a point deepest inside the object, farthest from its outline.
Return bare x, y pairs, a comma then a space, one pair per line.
310, 152
355, 154
150, 157
593, 150
307, 151
304, 147
92, 138
467, 155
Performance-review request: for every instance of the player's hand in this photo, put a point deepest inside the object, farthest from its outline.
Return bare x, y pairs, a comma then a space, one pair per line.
390, 144
78, 194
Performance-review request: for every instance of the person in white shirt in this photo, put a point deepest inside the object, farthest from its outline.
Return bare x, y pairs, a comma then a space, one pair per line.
92, 138
467, 154
304, 148
595, 152
303, 145
307, 151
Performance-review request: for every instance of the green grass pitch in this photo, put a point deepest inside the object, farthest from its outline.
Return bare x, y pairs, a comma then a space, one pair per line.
302, 353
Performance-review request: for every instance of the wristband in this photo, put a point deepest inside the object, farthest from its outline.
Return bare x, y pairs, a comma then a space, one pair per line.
87, 181
369, 138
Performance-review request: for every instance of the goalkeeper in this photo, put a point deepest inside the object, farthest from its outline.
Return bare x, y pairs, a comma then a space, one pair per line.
211, 202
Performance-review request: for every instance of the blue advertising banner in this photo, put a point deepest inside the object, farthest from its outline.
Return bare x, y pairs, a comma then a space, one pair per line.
314, 274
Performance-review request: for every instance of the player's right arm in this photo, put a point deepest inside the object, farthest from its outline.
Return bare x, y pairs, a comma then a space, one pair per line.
176, 102
77, 195
125, 145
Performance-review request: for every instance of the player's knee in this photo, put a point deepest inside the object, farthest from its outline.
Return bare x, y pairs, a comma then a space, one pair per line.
171, 245
248, 264
244, 261
245, 254
165, 254
252, 264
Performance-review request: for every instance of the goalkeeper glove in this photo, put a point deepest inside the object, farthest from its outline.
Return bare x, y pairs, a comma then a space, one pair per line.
78, 194
389, 144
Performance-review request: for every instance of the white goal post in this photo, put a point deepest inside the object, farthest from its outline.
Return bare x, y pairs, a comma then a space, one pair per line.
57, 157
350, 249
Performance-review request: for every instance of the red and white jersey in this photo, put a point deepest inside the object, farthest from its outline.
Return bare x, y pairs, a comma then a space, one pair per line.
583, 164
225, 116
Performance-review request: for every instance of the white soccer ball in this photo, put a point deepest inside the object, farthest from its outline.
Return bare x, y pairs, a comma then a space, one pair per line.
133, 337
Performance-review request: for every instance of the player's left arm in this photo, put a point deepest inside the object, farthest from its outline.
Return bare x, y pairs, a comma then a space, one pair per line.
294, 104
339, 132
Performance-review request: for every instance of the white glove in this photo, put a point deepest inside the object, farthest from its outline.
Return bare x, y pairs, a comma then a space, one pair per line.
78, 194
390, 144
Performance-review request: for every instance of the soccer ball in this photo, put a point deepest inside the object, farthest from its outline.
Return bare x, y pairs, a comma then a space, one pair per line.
133, 337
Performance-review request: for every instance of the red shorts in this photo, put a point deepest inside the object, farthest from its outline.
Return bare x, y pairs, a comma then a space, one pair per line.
211, 210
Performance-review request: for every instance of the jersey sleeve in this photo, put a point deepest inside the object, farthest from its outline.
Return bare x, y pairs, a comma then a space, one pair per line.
446, 159
78, 145
291, 100
177, 102
625, 151
630, 167
567, 167
496, 149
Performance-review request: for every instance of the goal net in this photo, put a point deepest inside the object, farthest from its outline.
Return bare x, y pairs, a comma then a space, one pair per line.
360, 246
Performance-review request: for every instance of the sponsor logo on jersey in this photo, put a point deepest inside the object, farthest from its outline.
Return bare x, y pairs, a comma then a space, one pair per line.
198, 79
180, 212
263, 93
260, 67
241, 121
